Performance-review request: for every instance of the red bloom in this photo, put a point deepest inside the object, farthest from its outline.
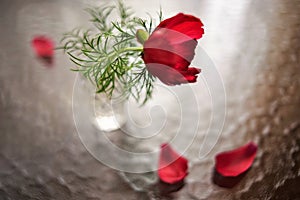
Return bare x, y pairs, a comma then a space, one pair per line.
172, 167
235, 162
43, 47
170, 49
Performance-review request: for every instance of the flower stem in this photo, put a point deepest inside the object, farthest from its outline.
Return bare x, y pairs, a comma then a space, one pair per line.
131, 49
117, 53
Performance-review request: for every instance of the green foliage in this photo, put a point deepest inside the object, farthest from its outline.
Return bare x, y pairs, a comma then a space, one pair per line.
109, 55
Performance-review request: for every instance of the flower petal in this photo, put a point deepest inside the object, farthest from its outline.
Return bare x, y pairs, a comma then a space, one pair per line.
190, 74
166, 74
235, 162
172, 167
167, 58
186, 24
43, 46
170, 76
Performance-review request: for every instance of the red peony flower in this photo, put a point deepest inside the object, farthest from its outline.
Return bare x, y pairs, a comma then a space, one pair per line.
43, 47
235, 162
169, 50
172, 167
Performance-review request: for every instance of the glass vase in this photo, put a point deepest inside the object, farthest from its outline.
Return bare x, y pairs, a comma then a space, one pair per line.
107, 112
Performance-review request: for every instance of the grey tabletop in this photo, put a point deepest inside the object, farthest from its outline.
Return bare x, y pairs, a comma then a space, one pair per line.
248, 91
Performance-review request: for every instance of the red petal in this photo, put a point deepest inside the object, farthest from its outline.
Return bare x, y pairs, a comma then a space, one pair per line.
190, 74
172, 167
176, 55
43, 46
235, 162
160, 56
166, 74
170, 76
186, 24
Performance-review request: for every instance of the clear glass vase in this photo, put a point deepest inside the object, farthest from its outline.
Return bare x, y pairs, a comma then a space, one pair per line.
107, 113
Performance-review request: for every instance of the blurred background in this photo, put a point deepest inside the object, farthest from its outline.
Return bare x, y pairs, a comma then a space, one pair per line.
253, 45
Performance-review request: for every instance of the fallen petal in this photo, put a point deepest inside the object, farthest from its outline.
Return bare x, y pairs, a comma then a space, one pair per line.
43, 47
235, 162
172, 167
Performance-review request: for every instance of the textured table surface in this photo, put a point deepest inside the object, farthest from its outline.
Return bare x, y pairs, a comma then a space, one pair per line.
254, 45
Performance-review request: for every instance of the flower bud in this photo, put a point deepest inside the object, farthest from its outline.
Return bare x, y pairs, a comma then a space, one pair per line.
141, 36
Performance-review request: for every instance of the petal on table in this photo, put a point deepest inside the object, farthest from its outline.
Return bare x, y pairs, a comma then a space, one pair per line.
43, 46
172, 167
237, 161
